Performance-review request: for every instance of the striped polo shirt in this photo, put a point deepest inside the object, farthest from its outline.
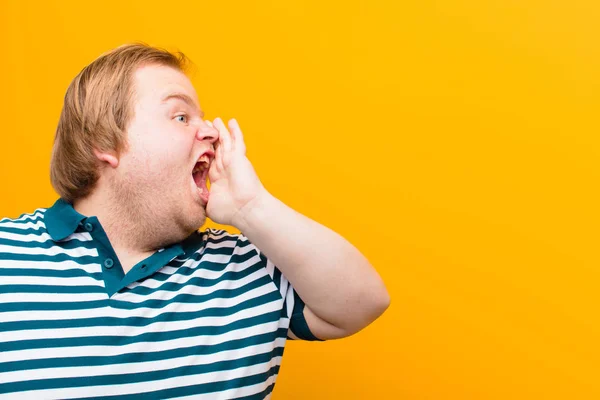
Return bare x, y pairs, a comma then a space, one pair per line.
204, 318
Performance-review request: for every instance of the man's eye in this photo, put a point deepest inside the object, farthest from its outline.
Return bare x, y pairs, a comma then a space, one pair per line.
181, 118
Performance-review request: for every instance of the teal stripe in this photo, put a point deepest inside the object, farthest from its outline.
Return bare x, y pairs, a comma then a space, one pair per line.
50, 273
94, 361
228, 238
190, 298
276, 272
138, 321
187, 271
225, 250
121, 379
212, 387
145, 337
50, 289
196, 242
69, 245
54, 306
34, 220
25, 231
196, 281
258, 396
237, 258
49, 258
185, 298
203, 265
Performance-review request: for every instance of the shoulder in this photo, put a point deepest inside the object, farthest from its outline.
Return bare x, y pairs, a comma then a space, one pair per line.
218, 241
220, 238
38, 214
25, 224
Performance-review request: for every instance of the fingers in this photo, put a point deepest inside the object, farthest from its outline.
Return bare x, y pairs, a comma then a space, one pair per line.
232, 139
238, 137
225, 139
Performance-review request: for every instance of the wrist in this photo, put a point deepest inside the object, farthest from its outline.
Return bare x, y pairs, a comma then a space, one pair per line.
254, 211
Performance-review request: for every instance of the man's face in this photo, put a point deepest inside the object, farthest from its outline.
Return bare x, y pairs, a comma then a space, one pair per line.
165, 138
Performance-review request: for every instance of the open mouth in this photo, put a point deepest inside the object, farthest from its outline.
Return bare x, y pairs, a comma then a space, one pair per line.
200, 176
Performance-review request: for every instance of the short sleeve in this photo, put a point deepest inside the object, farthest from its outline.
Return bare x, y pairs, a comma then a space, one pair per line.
293, 304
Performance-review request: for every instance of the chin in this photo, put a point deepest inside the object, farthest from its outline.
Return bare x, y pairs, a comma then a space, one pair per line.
195, 218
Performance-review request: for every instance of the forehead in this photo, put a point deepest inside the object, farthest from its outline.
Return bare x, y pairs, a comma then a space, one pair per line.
154, 83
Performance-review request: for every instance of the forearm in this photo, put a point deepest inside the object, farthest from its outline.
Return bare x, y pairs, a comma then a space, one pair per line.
333, 278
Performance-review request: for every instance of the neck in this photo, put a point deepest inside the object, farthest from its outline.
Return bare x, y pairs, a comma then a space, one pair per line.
133, 237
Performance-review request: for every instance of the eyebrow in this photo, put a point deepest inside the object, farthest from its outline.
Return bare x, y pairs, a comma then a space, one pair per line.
186, 99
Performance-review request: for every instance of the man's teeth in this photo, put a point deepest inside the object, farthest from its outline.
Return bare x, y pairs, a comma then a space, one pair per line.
202, 164
200, 167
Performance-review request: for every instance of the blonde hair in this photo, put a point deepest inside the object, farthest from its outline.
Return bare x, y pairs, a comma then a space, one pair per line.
97, 108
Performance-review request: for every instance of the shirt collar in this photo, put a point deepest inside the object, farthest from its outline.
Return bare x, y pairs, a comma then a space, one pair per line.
62, 220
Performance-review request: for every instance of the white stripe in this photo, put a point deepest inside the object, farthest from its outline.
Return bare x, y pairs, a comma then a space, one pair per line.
82, 236
42, 237
248, 390
218, 258
144, 312
284, 287
233, 239
230, 244
130, 331
290, 302
34, 215
52, 251
236, 392
216, 234
136, 347
198, 273
51, 281
283, 282
149, 386
19, 225
17, 297
158, 327
164, 295
138, 367
52, 265
270, 268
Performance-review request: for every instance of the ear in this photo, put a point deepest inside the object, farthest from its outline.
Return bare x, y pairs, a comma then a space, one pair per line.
109, 158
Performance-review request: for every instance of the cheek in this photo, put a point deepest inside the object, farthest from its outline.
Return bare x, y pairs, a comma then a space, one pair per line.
155, 151
162, 150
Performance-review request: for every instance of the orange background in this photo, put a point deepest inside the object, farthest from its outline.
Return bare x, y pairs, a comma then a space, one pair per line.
454, 142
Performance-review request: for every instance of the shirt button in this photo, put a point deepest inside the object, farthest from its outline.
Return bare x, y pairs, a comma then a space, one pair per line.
108, 263
88, 227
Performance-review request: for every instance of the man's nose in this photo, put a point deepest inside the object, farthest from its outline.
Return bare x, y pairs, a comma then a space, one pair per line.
207, 132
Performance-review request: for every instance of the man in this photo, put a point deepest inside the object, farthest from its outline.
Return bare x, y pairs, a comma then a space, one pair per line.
113, 292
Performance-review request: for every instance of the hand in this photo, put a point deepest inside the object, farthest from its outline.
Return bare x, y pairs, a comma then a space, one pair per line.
234, 185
